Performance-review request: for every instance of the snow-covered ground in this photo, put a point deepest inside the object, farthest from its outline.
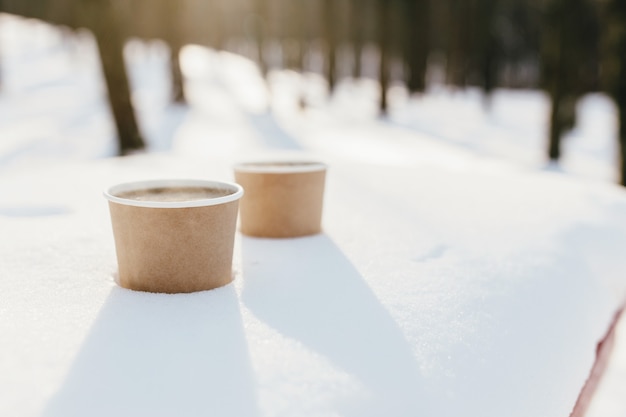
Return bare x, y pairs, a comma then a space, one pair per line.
53, 109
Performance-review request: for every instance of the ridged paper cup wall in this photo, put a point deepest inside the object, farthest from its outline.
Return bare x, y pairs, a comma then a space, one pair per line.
174, 236
282, 199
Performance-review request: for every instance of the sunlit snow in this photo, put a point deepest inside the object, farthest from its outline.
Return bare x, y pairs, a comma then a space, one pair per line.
494, 269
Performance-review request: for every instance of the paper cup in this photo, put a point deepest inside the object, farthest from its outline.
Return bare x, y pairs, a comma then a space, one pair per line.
174, 244
282, 199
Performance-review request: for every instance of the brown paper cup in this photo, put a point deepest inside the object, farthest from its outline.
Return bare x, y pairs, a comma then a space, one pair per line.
174, 246
282, 199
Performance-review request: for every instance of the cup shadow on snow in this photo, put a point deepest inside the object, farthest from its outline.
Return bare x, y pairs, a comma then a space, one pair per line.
309, 291
161, 355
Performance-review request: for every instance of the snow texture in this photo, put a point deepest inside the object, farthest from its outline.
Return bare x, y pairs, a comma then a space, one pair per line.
453, 276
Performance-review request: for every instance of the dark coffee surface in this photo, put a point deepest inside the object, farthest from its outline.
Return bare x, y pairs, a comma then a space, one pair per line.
174, 194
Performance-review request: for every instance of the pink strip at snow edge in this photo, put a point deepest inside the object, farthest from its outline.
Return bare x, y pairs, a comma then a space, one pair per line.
603, 354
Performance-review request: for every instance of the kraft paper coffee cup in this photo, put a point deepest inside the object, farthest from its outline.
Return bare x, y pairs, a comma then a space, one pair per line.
282, 199
174, 243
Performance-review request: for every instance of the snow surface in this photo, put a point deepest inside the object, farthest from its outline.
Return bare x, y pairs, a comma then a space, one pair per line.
457, 275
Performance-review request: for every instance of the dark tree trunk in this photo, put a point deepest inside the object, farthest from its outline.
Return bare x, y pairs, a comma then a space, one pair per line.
562, 115
487, 47
356, 16
458, 42
568, 45
622, 142
107, 29
173, 25
554, 137
617, 85
178, 90
417, 43
383, 14
619, 96
330, 38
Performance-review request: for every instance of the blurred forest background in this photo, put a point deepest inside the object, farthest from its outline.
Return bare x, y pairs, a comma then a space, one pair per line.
567, 48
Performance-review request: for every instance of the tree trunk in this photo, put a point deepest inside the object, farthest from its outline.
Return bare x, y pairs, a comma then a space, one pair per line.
617, 10
356, 16
293, 38
458, 42
487, 48
568, 45
331, 44
554, 138
173, 24
417, 43
107, 29
178, 90
260, 25
622, 143
619, 95
383, 44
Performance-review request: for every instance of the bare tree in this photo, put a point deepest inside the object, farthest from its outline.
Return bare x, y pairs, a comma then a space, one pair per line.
107, 25
171, 17
417, 47
615, 64
383, 29
568, 41
330, 38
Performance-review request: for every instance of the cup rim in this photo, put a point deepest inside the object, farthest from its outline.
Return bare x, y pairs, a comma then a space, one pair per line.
280, 166
237, 193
